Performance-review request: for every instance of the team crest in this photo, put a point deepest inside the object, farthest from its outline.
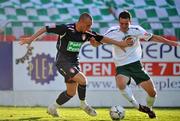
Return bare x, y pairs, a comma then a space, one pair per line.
72, 70
148, 34
83, 37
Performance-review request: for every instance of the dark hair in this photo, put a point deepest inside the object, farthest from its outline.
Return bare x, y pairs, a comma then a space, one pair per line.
125, 14
85, 16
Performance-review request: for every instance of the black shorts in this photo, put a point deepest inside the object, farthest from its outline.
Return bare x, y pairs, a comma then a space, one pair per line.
67, 68
133, 70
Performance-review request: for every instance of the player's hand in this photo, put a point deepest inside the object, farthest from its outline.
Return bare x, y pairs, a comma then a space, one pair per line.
177, 44
123, 49
25, 40
93, 42
172, 43
129, 41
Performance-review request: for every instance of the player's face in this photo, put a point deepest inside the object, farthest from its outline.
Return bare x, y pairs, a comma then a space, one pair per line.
124, 24
86, 25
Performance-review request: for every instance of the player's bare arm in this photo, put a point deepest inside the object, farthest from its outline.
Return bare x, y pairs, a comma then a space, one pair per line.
94, 43
160, 39
28, 40
121, 44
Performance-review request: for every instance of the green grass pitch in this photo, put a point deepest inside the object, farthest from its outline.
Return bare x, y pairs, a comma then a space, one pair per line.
76, 114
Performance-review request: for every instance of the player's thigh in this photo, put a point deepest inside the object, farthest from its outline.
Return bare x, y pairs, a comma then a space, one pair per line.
68, 70
122, 76
71, 88
149, 87
80, 78
121, 81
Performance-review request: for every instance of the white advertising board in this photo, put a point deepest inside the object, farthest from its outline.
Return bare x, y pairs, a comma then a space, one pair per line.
161, 61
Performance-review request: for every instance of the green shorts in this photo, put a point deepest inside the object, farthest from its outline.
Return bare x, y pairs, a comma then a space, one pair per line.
133, 70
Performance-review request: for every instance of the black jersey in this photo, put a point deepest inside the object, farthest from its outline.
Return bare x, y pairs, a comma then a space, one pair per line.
70, 40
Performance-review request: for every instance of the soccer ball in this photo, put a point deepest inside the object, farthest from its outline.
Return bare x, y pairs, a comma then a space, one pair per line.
117, 112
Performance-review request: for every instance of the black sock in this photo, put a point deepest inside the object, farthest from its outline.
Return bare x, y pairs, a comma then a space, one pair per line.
82, 92
63, 98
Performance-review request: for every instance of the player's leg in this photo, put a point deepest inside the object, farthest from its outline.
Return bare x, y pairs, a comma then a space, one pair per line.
64, 97
82, 81
140, 76
125, 90
71, 86
127, 93
148, 86
68, 94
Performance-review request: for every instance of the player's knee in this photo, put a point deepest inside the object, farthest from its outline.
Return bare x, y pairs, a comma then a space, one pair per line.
121, 83
83, 81
80, 78
71, 93
121, 86
152, 93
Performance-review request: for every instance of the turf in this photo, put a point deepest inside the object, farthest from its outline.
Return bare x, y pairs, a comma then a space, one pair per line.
75, 114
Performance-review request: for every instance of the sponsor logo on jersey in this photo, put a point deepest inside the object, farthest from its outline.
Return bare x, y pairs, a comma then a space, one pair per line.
74, 46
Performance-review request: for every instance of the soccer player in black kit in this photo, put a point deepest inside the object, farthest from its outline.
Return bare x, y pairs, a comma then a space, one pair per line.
71, 37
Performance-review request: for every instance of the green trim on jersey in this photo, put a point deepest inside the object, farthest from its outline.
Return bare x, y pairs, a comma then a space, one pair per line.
133, 70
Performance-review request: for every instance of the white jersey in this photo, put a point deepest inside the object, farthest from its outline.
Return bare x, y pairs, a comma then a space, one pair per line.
132, 53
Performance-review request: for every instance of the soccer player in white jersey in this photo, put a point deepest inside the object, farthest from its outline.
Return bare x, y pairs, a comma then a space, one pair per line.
128, 64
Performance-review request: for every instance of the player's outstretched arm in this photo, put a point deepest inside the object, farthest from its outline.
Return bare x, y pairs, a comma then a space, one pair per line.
94, 43
121, 44
28, 40
161, 39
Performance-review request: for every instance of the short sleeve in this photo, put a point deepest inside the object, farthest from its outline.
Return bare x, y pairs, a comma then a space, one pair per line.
57, 29
143, 34
109, 33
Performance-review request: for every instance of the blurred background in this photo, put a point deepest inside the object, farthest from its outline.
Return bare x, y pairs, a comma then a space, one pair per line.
37, 82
